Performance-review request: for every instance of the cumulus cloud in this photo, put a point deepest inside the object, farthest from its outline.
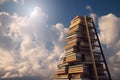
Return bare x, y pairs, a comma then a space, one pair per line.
94, 16
110, 30
16, 1
29, 46
109, 36
115, 65
88, 7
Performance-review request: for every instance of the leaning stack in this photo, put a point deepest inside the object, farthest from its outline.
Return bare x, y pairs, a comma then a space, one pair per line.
76, 48
77, 63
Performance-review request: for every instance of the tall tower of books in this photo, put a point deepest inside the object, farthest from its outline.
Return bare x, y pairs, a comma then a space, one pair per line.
84, 58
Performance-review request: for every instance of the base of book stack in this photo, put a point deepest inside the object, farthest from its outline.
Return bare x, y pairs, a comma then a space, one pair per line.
77, 63
75, 72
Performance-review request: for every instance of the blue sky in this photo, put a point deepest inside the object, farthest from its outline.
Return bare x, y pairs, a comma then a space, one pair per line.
63, 10
33, 32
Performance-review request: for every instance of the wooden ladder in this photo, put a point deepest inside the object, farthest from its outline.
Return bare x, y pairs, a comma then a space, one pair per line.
89, 21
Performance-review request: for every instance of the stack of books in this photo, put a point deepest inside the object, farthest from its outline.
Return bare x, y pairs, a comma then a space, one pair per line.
77, 63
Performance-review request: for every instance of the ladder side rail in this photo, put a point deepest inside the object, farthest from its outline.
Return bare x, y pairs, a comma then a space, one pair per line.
102, 51
91, 50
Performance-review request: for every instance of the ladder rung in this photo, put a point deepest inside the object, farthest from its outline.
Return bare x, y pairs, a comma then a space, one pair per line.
103, 78
99, 61
90, 27
101, 69
88, 62
93, 33
95, 45
96, 52
94, 39
83, 62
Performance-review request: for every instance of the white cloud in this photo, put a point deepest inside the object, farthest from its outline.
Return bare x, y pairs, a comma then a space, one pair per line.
16, 1
115, 65
109, 29
2, 1
88, 7
94, 16
30, 46
5, 41
109, 36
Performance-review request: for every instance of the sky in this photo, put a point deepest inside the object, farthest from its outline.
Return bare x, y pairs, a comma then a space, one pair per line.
32, 35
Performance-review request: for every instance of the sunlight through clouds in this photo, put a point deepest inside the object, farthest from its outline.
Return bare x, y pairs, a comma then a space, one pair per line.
30, 56
16, 1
